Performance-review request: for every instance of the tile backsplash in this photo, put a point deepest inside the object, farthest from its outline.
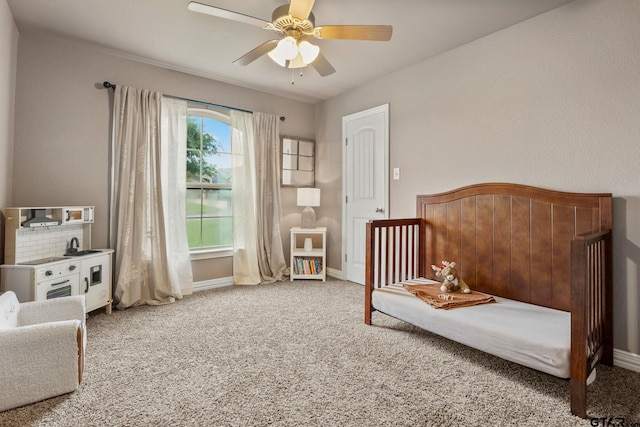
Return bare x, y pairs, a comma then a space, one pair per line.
36, 243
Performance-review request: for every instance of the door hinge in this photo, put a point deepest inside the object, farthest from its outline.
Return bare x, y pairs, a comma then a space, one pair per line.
346, 199
345, 257
346, 141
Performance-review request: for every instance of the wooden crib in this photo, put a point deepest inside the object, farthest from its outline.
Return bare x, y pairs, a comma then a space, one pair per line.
537, 246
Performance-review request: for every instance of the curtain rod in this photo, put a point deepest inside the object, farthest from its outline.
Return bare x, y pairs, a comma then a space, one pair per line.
112, 86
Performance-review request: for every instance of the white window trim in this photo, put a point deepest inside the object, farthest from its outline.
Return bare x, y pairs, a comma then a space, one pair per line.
210, 253
221, 117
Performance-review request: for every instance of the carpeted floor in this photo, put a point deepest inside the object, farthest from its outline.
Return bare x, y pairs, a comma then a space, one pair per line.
299, 354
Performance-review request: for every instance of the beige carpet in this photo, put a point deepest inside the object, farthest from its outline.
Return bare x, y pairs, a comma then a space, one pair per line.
299, 354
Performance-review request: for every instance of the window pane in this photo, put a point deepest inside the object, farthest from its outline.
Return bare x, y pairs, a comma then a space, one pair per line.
216, 168
216, 202
194, 233
305, 148
219, 132
305, 164
194, 160
217, 231
194, 133
194, 207
289, 146
289, 162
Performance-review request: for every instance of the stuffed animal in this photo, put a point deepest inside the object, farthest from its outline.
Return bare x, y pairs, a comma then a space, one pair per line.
452, 283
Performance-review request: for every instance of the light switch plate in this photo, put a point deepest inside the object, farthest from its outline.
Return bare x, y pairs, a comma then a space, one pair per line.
396, 173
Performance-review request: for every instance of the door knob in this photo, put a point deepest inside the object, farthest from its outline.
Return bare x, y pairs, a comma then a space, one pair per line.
380, 210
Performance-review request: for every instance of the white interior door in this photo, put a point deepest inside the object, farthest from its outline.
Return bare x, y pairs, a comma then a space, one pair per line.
365, 183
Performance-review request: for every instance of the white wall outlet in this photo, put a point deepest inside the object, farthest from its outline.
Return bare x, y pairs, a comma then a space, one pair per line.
396, 173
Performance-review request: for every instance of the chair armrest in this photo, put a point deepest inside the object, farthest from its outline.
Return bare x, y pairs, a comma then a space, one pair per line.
52, 310
40, 361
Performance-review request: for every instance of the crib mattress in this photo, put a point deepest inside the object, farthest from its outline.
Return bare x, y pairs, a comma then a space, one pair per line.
527, 334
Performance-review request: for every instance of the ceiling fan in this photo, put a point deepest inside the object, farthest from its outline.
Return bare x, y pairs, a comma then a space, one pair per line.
295, 24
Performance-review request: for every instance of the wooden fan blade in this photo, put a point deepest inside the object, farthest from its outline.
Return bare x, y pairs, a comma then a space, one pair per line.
322, 66
227, 14
256, 53
301, 8
355, 32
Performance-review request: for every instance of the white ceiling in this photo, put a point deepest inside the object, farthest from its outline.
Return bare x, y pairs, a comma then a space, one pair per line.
165, 33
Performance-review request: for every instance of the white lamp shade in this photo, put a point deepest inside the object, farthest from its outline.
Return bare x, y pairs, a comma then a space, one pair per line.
308, 51
308, 197
287, 48
277, 58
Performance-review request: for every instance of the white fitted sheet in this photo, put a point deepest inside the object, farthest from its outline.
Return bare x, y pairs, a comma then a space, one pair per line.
527, 334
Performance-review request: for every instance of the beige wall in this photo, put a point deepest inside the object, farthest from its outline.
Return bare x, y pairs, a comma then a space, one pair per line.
551, 102
8, 63
62, 126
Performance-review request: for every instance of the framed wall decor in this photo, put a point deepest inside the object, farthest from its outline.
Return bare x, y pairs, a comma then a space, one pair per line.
298, 162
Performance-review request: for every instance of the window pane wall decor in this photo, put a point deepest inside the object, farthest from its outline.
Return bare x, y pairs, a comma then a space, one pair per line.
298, 162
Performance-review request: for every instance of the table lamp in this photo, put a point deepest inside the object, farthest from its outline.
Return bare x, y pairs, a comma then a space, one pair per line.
308, 197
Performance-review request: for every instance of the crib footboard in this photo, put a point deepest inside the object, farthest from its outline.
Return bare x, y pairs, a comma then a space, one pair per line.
591, 312
395, 250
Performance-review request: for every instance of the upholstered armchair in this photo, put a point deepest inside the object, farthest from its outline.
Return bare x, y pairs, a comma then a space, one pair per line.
42, 346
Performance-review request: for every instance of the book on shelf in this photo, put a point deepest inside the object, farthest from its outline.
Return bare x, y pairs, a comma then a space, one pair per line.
307, 266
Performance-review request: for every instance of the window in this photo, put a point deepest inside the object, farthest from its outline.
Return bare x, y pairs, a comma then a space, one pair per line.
209, 224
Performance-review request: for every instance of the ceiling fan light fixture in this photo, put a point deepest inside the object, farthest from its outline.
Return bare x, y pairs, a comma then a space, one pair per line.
296, 21
308, 51
287, 48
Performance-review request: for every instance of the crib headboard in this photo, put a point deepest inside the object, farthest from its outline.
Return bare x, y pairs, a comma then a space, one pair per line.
512, 240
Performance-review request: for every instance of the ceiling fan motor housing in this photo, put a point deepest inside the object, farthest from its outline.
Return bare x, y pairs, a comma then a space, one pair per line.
285, 23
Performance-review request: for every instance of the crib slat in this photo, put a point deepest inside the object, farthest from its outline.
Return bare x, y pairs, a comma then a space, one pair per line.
591, 318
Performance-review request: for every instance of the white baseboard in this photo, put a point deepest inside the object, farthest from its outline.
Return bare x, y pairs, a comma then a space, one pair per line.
228, 281
212, 284
336, 274
627, 360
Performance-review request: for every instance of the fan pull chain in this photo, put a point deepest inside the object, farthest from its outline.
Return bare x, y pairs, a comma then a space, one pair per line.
293, 75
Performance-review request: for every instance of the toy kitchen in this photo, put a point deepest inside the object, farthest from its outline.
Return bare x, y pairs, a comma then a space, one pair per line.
47, 254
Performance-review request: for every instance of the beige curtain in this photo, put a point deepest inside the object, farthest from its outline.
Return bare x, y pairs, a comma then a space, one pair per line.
267, 143
137, 222
173, 174
258, 254
245, 243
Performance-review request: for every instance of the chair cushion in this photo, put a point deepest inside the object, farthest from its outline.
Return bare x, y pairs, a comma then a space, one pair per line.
9, 308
